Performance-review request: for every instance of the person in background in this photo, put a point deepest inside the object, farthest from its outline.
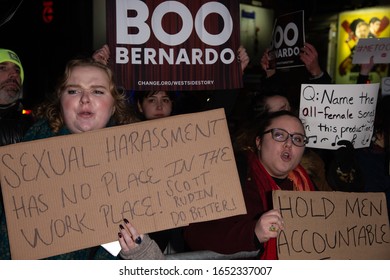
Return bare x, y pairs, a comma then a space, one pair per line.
152, 104
85, 99
13, 123
374, 160
272, 164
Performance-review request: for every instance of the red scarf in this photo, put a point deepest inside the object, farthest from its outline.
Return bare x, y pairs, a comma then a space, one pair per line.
266, 185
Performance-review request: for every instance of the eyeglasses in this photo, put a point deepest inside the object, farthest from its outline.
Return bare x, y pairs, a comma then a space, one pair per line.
281, 135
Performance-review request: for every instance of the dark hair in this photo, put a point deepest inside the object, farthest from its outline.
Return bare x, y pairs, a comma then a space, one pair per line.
260, 106
355, 23
267, 119
139, 97
374, 19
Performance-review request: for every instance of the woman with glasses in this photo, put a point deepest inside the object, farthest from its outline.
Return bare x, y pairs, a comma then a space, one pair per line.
272, 164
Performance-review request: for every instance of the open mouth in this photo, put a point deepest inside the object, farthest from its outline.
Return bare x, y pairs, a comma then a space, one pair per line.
85, 114
286, 156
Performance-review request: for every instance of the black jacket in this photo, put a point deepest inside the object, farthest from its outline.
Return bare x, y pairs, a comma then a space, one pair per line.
13, 124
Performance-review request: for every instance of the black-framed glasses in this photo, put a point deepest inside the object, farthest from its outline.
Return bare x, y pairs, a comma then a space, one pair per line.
281, 135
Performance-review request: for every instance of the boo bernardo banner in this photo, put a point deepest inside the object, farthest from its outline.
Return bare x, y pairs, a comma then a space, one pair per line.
174, 45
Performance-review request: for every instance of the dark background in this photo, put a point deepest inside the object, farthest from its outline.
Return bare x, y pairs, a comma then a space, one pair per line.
44, 47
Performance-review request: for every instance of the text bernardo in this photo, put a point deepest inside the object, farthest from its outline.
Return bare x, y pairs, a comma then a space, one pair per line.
172, 56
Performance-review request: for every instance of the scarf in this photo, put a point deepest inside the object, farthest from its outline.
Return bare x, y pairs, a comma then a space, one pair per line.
42, 130
266, 185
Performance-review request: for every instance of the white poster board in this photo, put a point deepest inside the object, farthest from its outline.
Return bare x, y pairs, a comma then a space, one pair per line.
331, 113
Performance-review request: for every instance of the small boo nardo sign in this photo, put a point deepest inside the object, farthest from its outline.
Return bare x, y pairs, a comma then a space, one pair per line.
287, 40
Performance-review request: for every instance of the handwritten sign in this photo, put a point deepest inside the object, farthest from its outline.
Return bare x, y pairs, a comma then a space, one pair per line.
385, 85
71, 192
338, 112
333, 225
174, 45
378, 48
288, 37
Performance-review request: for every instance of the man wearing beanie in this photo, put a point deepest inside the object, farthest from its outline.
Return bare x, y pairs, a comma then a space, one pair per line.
13, 123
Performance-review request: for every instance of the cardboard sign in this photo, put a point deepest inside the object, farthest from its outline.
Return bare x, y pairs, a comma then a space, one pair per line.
174, 45
332, 225
385, 86
71, 192
378, 48
331, 113
288, 37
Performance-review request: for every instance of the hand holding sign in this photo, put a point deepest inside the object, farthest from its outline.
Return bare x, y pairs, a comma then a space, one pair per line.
309, 57
287, 40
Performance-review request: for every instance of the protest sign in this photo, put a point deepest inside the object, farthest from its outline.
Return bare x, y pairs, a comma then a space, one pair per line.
71, 192
385, 86
174, 45
378, 48
288, 37
338, 112
353, 26
332, 225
